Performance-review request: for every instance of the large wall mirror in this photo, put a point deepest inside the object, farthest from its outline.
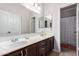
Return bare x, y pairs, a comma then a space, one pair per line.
18, 18
41, 22
9, 24
13, 24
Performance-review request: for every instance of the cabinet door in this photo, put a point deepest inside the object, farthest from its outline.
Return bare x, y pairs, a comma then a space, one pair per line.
42, 51
32, 50
52, 43
48, 45
16, 53
42, 48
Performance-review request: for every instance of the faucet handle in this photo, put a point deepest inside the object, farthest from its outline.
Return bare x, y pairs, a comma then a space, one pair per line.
14, 40
9, 32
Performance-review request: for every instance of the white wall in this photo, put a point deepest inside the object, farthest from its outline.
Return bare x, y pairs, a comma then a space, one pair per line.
53, 9
37, 29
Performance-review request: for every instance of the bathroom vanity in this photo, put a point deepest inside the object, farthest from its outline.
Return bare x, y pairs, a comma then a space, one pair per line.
36, 46
41, 48
15, 24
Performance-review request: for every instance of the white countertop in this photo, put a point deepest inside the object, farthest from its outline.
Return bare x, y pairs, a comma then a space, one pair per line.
31, 40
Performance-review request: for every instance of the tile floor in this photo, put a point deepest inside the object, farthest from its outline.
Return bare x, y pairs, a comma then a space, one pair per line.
64, 53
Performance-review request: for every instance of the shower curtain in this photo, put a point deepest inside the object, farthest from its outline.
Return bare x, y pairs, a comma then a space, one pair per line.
68, 29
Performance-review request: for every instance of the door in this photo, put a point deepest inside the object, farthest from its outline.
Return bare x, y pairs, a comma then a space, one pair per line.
68, 30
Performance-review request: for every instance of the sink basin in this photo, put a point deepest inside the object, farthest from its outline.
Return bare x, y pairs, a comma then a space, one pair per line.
17, 44
18, 39
11, 44
22, 39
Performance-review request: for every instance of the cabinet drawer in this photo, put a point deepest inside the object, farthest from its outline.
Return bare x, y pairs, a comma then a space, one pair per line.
42, 43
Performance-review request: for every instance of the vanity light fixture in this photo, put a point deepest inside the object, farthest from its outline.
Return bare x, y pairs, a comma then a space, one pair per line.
33, 7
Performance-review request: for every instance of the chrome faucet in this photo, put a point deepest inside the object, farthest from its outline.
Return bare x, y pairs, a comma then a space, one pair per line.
14, 40
43, 32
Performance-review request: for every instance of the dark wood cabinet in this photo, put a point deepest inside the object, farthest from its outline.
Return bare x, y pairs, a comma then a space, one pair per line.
41, 48
48, 46
52, 43
16, 53
31, 50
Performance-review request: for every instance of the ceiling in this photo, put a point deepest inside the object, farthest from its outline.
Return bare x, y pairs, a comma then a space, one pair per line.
14, 8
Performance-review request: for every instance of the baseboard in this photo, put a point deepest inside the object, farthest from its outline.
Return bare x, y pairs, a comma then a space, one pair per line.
56, 51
